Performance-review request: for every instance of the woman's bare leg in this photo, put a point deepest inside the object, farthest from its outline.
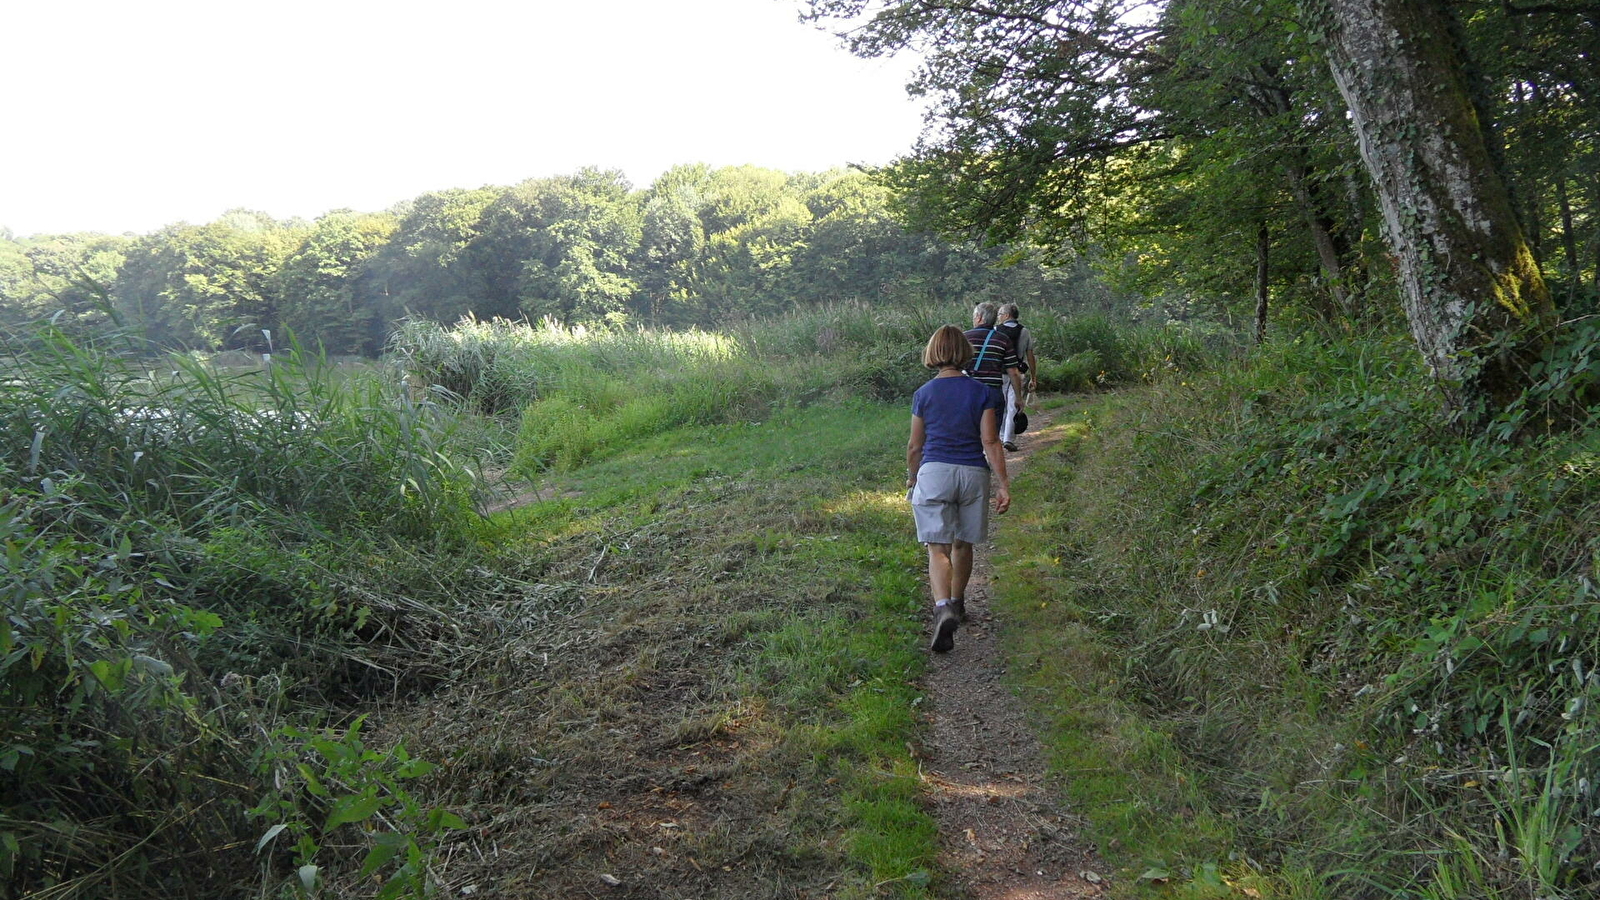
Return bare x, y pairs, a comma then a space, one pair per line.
939, 566
945, 618
960, 569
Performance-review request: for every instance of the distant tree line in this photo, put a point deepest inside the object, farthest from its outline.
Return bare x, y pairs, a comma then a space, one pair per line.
697, 247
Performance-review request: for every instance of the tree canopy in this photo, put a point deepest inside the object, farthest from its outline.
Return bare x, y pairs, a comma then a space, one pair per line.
1186, 144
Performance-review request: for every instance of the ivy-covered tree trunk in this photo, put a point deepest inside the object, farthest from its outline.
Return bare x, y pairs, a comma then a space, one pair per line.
1478, 306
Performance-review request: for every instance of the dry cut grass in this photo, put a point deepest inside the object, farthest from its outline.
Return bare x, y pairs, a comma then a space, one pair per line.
724, 705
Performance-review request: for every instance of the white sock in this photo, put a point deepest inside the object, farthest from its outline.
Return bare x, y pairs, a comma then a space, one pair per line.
939, 603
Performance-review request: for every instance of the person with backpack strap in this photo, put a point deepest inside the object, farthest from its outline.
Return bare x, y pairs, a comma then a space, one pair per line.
994, 360
1022, 340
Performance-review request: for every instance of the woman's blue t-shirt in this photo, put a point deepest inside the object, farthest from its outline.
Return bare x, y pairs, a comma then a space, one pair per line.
951, 410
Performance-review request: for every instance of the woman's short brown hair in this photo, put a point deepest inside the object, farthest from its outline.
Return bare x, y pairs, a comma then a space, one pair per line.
947, 347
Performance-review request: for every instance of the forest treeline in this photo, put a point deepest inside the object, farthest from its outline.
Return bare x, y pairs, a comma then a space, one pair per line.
1199, 139
699, 246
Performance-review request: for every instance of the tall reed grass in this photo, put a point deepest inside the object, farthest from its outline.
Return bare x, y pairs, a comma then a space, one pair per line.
581, 391
184, 552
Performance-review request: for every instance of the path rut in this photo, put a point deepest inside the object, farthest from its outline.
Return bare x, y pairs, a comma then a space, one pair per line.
1004, 833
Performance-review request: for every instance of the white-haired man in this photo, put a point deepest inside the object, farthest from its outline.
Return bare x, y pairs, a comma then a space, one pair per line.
994, 360
1027, 365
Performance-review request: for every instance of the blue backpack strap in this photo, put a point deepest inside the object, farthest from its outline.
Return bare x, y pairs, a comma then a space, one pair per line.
979, 363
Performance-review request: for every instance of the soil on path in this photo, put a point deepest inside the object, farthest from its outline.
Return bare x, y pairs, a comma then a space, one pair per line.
577, 829
1004, 834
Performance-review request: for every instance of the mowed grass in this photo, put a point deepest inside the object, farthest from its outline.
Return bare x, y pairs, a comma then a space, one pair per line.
725, 702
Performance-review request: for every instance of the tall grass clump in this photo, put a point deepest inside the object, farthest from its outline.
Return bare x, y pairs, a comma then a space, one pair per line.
171, 439
500, 366
878, 349
580, 390
1374, 634
191, 559
583, 392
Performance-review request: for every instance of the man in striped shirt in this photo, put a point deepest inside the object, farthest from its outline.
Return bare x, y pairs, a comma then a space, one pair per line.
994, 357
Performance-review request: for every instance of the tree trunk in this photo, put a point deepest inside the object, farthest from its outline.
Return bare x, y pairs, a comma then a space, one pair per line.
1321, 226
1594, 241
1569, 240
1263, 246
1477, 304
1274, 98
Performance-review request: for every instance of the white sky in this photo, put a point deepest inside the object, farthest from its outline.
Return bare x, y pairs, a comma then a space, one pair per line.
127, 116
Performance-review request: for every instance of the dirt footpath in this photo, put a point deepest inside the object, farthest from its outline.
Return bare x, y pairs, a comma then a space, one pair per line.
1003, 832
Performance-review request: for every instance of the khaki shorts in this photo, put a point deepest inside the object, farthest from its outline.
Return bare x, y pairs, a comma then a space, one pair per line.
951, 503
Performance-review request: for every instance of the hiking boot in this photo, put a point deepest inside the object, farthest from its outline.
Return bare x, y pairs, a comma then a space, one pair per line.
945, 624
960, 607
1010, 446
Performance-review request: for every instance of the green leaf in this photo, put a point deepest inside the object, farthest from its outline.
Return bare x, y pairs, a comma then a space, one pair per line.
355, 808
101, 670
10, 852
332, 751
313, 785
414, 768
152, 666
384, 848
204, 621
440, 819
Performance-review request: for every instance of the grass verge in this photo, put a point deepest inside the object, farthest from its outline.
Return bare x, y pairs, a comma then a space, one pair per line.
1121, 769
1297, 638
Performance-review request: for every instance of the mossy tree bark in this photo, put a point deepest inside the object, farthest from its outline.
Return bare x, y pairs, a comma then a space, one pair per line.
1477, 304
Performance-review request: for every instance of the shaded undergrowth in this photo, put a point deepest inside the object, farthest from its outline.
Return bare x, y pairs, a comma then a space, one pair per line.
1295, 637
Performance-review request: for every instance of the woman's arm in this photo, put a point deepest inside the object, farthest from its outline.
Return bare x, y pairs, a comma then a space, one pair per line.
919, 434
996, 454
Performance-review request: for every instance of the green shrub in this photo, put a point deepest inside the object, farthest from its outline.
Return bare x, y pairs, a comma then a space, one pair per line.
1079, 372
329, 782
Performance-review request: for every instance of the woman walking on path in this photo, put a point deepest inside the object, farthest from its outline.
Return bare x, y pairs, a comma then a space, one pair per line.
955, 443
